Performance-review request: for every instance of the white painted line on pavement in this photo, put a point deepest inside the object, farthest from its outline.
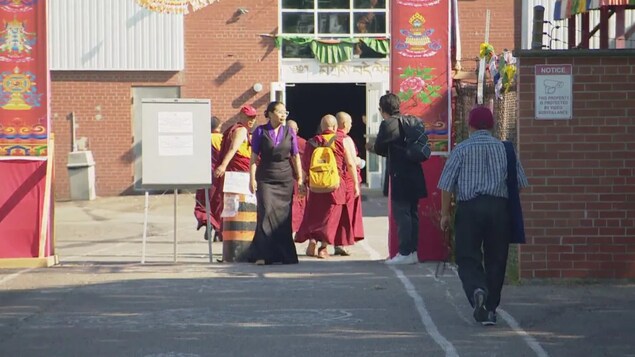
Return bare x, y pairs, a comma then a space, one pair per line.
530, 340
14, 275
431, 328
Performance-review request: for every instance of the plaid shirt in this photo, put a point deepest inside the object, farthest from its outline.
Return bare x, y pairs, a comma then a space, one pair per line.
478, 166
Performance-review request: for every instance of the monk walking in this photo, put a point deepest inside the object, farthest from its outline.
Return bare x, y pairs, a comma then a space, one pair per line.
353, 203
326, 216
215, 207
235, 152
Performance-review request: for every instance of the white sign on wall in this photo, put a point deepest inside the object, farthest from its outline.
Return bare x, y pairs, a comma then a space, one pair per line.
554, 91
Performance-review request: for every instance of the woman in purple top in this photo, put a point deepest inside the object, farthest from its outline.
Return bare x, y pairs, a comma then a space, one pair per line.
271, 178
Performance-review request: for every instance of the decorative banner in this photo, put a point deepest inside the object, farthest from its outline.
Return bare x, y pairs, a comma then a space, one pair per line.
174, 6
420, 76
24, 119
420, 64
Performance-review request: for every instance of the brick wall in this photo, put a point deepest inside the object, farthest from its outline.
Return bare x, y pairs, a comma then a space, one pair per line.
580, 208
472, 21
224, 57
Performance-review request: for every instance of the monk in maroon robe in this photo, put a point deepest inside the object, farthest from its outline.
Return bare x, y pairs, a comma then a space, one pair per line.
326, 216
299, 198
353, 203
199, 208
235, 152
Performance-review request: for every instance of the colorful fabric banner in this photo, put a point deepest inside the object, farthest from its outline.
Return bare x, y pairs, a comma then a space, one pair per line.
420, 64
420, 76
24, 119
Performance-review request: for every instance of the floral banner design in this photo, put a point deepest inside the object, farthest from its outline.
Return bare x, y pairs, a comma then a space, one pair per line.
420, 64
24, 120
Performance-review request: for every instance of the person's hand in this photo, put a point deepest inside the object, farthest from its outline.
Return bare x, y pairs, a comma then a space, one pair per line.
220, 171
253, 186
370, 145
357, 192
445, 222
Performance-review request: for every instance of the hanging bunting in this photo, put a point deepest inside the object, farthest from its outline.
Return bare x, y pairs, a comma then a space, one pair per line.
174, 6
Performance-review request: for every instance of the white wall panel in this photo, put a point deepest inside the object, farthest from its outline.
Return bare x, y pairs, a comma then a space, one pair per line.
113, 35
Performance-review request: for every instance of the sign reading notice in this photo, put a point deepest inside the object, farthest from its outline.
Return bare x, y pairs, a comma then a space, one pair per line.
554, 95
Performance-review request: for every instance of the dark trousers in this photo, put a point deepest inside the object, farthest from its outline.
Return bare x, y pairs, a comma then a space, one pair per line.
406, 217
482, 234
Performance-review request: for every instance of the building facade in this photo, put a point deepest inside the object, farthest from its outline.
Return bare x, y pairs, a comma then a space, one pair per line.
117, 53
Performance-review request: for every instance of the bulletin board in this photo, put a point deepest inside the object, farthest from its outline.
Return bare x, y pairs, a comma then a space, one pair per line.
176, 145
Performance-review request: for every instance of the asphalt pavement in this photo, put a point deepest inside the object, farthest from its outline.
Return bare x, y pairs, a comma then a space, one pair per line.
101, 301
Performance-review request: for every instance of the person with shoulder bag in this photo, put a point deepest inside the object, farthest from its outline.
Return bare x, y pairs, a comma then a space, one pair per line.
398, 140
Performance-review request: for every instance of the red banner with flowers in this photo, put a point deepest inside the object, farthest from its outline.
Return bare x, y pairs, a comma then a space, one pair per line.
24, 120
420, 76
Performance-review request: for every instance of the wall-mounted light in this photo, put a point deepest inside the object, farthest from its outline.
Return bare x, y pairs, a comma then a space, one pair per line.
257, 87
241, 11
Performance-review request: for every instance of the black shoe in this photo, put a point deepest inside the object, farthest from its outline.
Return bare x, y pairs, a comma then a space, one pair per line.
491, 319
217, 237
478, 300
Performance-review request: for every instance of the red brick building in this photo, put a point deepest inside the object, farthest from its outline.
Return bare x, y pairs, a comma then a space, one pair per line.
225, 54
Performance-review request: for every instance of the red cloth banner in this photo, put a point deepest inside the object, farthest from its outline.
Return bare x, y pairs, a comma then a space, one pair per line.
24, 119
420, 76
21, 204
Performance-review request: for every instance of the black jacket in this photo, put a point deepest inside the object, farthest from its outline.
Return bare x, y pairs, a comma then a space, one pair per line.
407, 182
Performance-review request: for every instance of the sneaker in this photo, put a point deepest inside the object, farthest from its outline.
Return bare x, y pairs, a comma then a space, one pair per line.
480, 313
402, 259
339, 250
490, 320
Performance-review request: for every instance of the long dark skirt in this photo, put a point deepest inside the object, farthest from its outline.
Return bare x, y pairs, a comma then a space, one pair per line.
273, 240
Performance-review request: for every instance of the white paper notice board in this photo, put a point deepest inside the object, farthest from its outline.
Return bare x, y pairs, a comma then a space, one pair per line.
176, 145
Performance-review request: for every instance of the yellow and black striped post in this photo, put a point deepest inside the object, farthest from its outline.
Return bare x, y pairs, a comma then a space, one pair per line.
238, 231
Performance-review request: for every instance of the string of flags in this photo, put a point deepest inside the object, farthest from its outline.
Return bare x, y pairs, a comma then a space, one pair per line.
566, 8
502, 68
174, 6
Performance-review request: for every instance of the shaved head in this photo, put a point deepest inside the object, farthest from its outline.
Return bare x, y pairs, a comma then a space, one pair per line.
328, 122
344, 121
293, 125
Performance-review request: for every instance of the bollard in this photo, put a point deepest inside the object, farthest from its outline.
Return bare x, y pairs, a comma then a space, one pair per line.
238, 231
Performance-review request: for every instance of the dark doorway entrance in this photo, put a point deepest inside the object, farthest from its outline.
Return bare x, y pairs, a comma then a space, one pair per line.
309, 102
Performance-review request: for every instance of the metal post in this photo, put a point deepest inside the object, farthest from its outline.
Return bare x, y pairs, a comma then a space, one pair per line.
145, 229
176, 201
572, 40
71, 117
539, 21
209, 225
585, 28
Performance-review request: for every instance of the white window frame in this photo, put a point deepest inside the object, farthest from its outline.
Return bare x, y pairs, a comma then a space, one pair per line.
351, 26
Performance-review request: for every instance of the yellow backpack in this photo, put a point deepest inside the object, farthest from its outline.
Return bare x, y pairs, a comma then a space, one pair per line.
323, 174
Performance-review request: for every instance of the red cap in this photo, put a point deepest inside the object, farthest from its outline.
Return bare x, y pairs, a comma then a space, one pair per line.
249, 111
481, 118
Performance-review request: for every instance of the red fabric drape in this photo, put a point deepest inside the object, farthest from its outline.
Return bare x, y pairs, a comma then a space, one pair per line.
21, 203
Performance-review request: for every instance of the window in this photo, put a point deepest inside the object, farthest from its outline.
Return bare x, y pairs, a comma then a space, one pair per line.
332, 19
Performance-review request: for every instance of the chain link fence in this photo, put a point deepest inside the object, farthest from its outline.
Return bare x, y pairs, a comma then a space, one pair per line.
505, 111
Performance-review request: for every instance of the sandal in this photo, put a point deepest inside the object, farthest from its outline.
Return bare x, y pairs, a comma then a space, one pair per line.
310, 249
323, 253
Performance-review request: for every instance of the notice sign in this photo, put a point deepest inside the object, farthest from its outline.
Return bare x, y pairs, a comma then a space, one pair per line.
554, 95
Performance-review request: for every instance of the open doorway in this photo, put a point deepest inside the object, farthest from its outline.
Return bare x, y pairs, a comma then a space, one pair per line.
309, 102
